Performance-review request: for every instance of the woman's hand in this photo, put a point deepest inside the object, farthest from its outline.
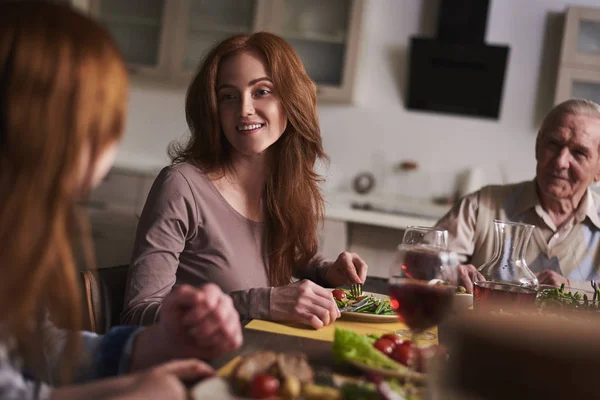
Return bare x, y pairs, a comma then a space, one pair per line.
467, 274
304, 302
548, 277
165, 381
161, 382
348, 268
194, 322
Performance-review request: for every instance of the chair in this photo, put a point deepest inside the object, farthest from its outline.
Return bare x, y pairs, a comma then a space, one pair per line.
104, 295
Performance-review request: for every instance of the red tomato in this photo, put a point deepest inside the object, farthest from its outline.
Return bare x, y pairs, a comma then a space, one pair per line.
339, 294
394, 338
401, 353
385, 346
264, 386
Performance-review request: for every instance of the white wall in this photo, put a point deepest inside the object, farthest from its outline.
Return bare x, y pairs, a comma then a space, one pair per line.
378, 131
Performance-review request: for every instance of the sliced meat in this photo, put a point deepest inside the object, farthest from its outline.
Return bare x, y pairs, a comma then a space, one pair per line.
254, 364
296, 365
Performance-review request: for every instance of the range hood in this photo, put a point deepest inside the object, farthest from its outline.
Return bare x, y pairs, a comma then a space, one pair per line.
457, 72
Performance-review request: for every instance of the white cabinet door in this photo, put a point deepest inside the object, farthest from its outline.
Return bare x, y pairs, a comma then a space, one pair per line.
118, 191
333, 238
326, 35
203, 23
143, 30
580, 83
581, 42
113, 235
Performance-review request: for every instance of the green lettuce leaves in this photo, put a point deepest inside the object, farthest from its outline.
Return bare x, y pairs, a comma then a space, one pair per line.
350, 346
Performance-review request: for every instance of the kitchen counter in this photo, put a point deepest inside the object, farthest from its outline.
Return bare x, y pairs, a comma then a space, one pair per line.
383, 210
389, 211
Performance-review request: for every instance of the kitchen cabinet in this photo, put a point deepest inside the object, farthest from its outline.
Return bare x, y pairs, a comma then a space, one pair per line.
579, 70
326, 35
164, 40
114, 208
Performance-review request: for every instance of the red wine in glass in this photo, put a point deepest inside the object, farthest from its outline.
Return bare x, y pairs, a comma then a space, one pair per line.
420, 305
422, 285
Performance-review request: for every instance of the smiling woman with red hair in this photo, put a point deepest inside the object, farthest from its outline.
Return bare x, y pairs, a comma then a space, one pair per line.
241, 205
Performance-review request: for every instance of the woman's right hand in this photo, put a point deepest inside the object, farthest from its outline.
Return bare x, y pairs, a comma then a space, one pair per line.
304, 302
165, 381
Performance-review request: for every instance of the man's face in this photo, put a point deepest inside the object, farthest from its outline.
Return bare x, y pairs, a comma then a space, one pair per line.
567, 157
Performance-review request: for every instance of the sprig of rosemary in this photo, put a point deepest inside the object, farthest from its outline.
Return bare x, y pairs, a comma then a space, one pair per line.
558, 297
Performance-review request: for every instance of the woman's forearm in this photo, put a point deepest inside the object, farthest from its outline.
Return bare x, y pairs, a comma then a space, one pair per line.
148, 349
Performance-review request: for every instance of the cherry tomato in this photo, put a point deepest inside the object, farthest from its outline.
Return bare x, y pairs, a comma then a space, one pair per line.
339, 294
394, 338
385, 346
264, 386
402, 353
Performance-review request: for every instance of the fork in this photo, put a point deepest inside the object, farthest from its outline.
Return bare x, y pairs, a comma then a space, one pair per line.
595, 287
354, 306
356, 290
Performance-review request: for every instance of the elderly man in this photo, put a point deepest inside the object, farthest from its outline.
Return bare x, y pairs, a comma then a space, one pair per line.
565, 244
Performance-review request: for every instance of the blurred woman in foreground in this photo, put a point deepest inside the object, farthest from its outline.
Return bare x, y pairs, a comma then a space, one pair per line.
63, 95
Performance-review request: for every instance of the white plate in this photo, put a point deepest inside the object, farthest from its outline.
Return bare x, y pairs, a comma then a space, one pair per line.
354, 316
215, 388
462, 302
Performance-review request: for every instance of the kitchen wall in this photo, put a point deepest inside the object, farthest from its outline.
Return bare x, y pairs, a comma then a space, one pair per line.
377, 131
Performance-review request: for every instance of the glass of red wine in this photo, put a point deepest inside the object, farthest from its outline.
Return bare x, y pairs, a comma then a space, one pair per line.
422, 235
426, 235
422, 283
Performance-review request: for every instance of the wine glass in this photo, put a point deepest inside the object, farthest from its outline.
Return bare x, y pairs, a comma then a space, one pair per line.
422, 282
426, 235
435, 237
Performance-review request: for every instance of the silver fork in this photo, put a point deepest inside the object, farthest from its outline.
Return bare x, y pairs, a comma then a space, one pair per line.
356, 290
354, 306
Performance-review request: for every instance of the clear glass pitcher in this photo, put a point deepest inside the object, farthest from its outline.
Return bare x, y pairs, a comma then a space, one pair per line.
506, 276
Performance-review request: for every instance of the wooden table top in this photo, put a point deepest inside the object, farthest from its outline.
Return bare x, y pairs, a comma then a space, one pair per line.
316, 344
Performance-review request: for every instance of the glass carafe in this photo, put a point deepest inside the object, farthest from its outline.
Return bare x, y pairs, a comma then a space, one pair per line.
506, 276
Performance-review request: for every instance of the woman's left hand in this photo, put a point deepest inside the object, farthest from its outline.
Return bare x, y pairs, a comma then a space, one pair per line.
348, 268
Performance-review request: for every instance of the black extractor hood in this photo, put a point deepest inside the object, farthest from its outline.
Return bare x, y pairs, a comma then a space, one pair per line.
457, 72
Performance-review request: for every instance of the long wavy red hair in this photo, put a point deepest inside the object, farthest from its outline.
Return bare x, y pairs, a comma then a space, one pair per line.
63, 97
293, 201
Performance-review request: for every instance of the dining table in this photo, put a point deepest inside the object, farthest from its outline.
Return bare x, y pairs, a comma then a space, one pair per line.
316, 344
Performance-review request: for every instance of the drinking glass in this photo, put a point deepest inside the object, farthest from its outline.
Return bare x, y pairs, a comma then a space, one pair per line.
422, 281
426, 235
